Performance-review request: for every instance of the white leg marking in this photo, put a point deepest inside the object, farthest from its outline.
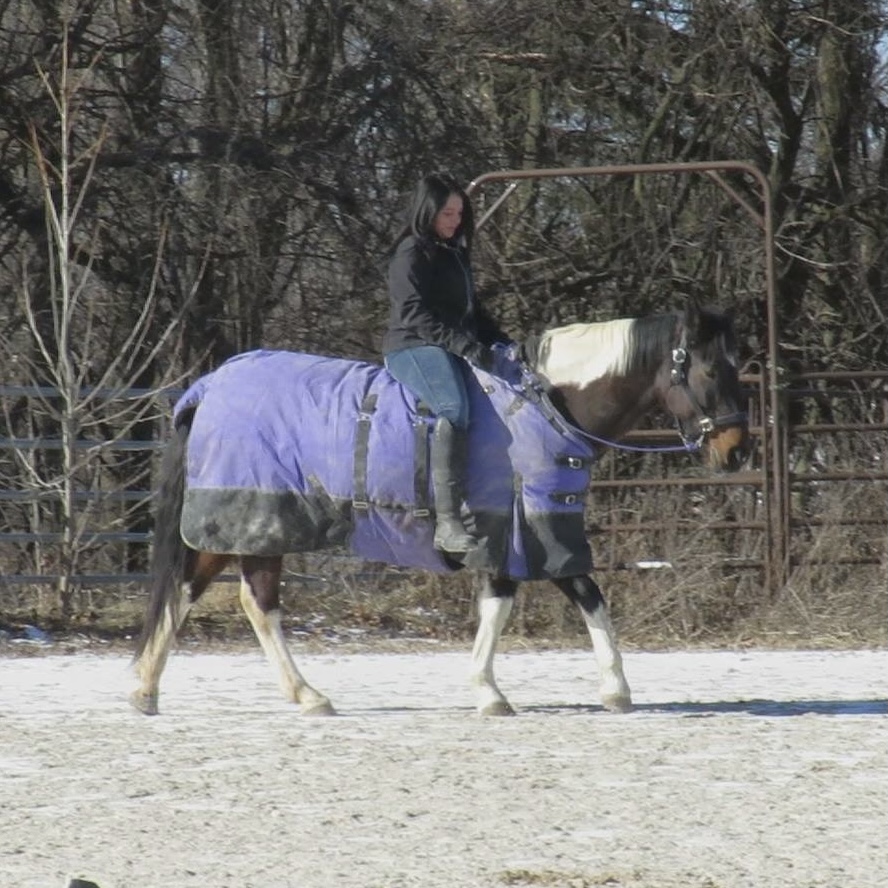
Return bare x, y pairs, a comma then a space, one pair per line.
493, 615
615, 693
153, 660
268, 630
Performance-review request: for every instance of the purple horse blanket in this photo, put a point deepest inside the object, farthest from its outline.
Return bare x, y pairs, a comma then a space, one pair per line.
291, 452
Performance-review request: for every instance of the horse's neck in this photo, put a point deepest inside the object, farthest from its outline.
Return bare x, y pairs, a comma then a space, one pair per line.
598, 378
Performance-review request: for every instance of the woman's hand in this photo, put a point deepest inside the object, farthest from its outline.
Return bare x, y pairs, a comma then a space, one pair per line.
481, 356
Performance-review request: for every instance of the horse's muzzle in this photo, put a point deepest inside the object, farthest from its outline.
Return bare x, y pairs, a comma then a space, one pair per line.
729, 448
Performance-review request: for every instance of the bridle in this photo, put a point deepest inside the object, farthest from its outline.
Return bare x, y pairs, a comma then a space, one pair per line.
678, 377
534, 390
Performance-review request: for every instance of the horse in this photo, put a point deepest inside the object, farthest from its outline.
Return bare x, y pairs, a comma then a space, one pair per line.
591, 383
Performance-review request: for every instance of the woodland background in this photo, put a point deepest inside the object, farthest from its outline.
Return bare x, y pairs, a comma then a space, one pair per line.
181, 181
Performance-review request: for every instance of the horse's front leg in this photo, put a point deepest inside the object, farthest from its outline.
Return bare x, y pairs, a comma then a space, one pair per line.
495, 602
584, 592
260, 597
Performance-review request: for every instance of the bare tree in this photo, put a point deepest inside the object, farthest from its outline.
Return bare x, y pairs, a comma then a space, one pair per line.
242, 166
78, 390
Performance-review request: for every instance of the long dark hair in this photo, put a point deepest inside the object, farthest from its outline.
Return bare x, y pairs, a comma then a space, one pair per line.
429, 197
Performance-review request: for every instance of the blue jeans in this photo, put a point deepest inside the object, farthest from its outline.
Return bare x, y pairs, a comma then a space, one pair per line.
435, 377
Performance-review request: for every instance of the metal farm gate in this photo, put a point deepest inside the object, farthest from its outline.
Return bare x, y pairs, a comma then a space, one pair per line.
807, 447
786, 487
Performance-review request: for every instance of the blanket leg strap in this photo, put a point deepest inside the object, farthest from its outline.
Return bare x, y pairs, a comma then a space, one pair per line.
360, 499
421, 428
421, 433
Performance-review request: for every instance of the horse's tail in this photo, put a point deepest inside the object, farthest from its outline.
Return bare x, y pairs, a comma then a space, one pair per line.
169, 551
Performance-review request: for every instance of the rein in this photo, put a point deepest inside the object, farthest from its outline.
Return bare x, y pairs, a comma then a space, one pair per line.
535, 391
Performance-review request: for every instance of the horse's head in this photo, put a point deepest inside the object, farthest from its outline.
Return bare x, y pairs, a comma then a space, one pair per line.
702, 389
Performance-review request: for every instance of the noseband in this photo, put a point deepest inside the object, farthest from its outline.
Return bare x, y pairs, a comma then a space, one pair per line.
678, 376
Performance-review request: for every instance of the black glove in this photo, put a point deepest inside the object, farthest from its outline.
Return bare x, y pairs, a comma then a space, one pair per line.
480, 356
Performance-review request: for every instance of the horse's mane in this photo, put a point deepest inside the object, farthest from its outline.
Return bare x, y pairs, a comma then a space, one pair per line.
651, 337
616, 347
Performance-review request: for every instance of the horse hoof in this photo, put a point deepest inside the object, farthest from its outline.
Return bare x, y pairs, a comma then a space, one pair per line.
318, 708
617, 704
144, 703
498, 707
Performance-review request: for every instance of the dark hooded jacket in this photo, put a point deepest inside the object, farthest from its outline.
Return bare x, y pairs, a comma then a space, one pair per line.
433, 301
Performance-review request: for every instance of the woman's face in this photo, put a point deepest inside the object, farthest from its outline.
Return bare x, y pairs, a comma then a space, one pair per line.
449, 217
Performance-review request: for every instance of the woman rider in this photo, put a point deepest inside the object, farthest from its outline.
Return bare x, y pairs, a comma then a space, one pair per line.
435, 322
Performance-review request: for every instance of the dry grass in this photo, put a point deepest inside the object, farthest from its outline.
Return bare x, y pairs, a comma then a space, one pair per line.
704, 599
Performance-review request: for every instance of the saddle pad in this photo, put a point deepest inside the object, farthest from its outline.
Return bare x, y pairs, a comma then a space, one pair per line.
291, 452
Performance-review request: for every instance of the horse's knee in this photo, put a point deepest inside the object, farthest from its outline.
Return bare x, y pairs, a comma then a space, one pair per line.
583, 591
261, 577
497, 587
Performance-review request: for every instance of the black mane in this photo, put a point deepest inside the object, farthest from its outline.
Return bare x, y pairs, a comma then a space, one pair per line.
651, 338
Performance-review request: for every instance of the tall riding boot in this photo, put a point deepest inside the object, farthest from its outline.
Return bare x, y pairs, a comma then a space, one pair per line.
448, 459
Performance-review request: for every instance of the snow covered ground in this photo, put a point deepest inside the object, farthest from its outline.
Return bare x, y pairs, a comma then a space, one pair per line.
737, 770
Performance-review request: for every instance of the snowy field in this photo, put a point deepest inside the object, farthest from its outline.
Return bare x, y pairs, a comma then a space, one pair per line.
737, 770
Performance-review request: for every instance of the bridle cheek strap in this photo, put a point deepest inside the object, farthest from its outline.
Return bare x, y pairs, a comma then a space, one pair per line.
706, 424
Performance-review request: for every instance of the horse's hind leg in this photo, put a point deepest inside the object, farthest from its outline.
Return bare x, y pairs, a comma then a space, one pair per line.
259, 595
495, 602
584, 592
200, 569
